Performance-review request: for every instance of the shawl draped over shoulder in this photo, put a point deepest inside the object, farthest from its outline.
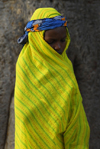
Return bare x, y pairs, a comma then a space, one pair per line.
48, 105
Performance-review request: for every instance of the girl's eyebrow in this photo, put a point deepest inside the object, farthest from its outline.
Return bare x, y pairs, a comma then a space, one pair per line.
65, 36
52, 38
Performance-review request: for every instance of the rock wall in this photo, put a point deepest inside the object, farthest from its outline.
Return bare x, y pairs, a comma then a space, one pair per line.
84, 51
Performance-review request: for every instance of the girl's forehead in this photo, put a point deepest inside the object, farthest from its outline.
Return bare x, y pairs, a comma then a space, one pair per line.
57, 32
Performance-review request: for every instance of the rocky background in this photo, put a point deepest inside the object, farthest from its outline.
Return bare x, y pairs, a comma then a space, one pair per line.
84, 51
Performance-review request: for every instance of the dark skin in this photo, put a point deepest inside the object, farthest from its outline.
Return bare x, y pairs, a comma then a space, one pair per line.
56, 38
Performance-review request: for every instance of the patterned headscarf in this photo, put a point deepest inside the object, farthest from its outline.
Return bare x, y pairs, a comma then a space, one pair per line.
48, 105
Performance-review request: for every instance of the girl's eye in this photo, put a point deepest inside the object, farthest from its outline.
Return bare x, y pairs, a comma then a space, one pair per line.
50, 42
63, 40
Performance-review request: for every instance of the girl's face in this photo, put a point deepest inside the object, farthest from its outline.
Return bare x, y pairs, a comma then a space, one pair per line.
56, 38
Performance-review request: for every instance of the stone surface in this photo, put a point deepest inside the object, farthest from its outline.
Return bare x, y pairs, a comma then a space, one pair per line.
9, 144
84, 51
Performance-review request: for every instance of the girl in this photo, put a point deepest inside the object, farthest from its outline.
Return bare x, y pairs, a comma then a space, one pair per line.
48, 105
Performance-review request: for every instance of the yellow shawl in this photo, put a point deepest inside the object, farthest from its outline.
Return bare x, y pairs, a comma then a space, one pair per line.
48, 106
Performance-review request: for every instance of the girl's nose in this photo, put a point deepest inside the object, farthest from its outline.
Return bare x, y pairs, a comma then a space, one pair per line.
57, 46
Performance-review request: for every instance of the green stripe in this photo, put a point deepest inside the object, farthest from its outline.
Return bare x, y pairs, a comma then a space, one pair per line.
21, 140
77, 107
22, 132
75, 121
31, 136
16, 143
34, 118
38, 109
32, 113
60, 140
32, 126
80, 129
68, 142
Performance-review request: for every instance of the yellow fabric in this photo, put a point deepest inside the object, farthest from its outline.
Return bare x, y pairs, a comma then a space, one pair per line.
48, 106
